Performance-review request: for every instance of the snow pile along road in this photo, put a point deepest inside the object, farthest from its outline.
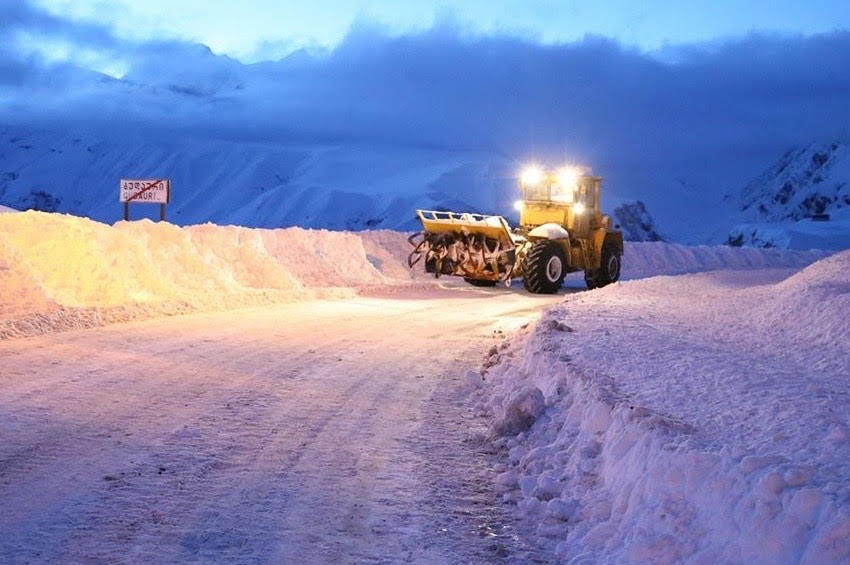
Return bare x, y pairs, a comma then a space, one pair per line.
649, 259
700, 418
59, 271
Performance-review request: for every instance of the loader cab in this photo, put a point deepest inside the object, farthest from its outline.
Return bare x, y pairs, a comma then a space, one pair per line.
568, 197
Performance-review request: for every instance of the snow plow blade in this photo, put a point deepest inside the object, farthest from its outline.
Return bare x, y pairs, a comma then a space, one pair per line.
474, 246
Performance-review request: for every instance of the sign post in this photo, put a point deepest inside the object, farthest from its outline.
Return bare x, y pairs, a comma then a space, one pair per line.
149, 191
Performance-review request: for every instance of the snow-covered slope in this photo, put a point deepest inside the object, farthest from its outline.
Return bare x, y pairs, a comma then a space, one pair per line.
803, 182
778, 205
346, 186
635, 221
253, 184
693, 419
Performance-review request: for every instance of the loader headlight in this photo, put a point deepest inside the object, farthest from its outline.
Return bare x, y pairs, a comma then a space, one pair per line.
568, 177
518, 205
578, 208
531, 176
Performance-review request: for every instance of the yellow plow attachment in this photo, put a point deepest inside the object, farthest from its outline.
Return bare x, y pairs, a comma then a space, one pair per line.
473, 246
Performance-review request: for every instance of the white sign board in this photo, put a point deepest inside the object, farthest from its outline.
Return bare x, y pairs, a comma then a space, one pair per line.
151, 191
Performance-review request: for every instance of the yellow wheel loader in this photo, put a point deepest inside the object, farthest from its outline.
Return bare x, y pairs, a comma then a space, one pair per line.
561, 231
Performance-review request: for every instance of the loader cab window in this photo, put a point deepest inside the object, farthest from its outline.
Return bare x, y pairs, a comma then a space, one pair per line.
538, 192
592, 198
581, 194
587, 193
564, 194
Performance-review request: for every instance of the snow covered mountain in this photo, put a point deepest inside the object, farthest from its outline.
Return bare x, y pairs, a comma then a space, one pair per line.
343, 186
802, 201
803, 182
252, 184
636, 222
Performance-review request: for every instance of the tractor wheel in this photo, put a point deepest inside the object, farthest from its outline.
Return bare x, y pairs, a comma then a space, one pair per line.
609, 271
479, 282
544, 268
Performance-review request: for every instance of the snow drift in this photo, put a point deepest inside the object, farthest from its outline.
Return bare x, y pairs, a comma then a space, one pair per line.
650, 259
59, 271
688, 419
831, 231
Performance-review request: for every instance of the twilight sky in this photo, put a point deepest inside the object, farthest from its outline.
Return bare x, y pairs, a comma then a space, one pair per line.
253, 30
660, 97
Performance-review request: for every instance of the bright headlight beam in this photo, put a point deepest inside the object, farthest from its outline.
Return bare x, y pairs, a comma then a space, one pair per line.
578, 208
531, 176
518, 205
568, 176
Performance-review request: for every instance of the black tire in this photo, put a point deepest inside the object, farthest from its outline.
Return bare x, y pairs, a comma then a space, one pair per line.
609, 271
479, 282
544, 268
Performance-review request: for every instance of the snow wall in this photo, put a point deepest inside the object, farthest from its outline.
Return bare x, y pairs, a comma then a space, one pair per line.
61, 272
608, 480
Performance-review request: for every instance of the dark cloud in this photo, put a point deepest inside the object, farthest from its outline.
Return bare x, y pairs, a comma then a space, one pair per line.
23, 15
714, 116
25, 68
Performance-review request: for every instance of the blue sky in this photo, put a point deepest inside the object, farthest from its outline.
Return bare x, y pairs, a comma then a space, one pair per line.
253, 30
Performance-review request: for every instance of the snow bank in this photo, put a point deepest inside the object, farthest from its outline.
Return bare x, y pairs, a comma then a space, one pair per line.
649, 259
813, 305
688, 419
59, 271
804, 234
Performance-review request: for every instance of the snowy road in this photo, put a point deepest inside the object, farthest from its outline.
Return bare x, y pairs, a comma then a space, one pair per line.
325, 431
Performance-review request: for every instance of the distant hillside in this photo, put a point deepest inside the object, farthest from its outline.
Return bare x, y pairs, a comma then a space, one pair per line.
350, 187
803, 182
802, 201
252, 184
636, 222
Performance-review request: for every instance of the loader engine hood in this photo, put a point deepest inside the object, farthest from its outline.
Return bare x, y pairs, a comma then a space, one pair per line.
549, 231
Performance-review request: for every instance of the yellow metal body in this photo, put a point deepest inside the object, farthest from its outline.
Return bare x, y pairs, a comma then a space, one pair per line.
574, 207
484, 248
493, 227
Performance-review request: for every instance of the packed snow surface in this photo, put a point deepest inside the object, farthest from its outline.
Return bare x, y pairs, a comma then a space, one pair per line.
315, 432
699, 418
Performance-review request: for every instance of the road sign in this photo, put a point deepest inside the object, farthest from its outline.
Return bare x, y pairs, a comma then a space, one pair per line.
144, 191
150, 191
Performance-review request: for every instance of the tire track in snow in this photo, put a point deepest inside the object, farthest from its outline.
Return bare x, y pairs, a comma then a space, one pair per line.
294, 433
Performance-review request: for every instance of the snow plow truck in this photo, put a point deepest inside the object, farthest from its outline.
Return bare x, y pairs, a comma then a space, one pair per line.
561, 231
